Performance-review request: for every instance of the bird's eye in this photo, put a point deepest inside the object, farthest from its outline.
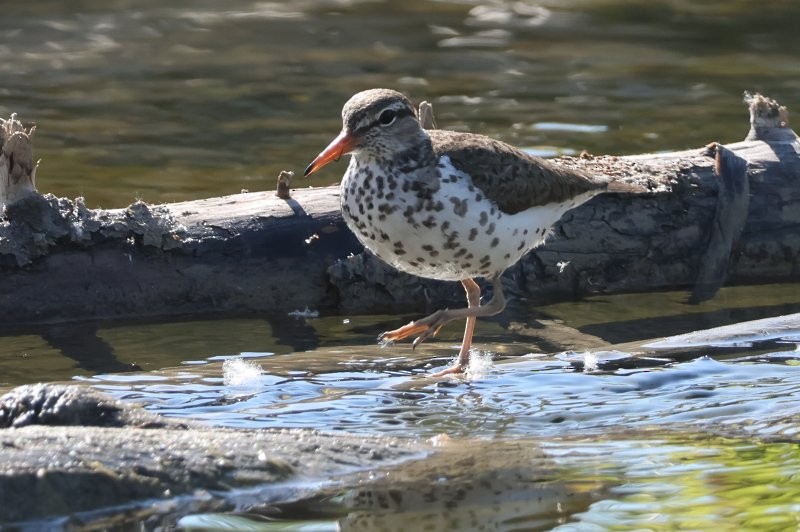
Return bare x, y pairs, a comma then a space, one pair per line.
387, 117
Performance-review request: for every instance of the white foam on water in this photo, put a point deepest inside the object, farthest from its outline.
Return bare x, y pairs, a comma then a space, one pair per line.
480, 363
240, 372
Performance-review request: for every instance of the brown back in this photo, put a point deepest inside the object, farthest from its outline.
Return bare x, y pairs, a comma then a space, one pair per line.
510, 177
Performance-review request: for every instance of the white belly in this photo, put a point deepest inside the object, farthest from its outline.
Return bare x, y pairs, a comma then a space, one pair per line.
454, 234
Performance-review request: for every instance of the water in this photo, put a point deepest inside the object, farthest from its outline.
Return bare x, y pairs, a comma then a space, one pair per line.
618, 441
646, 484
361, 391
665, 443
186, 99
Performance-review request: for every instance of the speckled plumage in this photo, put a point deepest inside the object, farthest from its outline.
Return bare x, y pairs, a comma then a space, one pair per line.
442, 204
448, 205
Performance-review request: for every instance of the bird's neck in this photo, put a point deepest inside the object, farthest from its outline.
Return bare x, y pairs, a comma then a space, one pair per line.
408, 158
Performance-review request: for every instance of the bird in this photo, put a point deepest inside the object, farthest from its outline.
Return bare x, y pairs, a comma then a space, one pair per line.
445, 205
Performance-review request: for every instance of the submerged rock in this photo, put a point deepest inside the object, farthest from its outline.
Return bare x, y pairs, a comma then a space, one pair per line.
62, 405
73, 449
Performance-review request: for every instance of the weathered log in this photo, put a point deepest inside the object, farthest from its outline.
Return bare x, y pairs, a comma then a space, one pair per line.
246, 252
257, 252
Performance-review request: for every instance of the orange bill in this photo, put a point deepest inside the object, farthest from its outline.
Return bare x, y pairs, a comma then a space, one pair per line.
341, 145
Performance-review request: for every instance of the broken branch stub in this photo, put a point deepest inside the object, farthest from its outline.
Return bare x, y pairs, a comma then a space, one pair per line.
283, 188
769, 120
17, 167
426, 117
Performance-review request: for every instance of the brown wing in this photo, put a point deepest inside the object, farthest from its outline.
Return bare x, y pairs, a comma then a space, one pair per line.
508, 176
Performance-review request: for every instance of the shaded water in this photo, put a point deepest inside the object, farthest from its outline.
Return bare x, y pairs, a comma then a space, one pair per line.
187, 99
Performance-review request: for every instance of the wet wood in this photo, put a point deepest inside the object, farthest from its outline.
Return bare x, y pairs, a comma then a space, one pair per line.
257, 252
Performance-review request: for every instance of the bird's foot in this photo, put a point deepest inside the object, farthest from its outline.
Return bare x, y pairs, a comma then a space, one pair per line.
461, 364
456, 369
425, 328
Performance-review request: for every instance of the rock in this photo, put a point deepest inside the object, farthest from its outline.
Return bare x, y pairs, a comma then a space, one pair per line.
78, 450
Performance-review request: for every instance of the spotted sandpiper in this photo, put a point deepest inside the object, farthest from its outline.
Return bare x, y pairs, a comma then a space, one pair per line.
445, 205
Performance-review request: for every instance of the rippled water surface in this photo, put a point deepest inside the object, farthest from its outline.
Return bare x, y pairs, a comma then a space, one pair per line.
181, 99
364, 391
690, 440
679, 440
185, 99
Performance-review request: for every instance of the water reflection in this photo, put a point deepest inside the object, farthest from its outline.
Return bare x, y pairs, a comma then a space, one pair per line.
647, 483
60, 352
697, 484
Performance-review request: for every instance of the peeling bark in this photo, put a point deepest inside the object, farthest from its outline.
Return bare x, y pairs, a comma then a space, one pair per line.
733, 200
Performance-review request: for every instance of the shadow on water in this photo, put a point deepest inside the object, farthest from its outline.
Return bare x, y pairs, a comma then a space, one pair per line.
622, 440
630, 317
61, 351
531, 440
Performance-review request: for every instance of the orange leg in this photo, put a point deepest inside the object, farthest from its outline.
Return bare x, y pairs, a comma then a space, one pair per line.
473, 300
430, 326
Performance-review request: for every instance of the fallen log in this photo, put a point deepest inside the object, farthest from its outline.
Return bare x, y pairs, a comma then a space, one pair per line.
258, 252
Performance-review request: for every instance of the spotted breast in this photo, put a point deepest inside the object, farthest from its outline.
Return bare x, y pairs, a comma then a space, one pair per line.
445, 205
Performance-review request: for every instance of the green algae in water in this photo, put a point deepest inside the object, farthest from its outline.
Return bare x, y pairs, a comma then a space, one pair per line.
700, 484
679, 483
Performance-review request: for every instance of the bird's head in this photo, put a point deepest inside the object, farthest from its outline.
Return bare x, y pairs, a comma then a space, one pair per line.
376, 122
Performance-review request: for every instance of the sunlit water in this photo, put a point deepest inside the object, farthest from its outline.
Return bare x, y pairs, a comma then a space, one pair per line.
179, 100
697, 483
630, 442
633, 443
363, 392
662, 442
